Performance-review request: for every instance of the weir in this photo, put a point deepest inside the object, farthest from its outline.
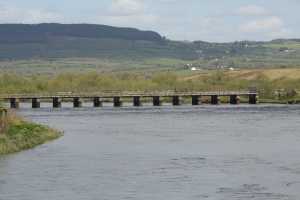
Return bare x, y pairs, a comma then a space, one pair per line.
97, 98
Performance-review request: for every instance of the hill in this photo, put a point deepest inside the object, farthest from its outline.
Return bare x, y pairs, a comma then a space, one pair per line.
41, 33
124, 48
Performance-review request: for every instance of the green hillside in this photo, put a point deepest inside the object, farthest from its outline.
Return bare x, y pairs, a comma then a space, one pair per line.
85, 46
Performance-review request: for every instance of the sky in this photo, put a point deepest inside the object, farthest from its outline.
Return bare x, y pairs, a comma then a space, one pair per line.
206, 20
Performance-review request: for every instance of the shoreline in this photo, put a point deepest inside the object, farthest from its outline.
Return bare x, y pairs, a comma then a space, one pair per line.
17, 134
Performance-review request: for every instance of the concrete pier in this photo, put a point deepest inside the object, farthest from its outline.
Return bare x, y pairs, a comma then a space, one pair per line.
56, 102
14, 103
36, 103
196, 100
156, 101
117, 102
253, 99
234, 99
97, 102
176, 100
77, 102
215, 100
137, 101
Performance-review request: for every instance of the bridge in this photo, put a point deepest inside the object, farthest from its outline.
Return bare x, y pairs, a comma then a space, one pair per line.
99, 97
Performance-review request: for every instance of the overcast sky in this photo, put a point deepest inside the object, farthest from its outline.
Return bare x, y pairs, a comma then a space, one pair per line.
208, 20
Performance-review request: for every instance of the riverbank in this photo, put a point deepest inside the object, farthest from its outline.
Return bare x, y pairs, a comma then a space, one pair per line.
278, 85
16, 134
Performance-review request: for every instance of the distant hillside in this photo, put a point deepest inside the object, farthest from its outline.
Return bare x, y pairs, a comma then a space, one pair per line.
43, 41
64, 41
39, 33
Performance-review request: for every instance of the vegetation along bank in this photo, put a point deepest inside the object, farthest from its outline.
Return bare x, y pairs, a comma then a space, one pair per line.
16, 134
273, 85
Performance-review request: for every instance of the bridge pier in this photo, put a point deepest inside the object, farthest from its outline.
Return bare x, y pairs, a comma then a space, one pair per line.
97, 102
234, 99
195, 100
156, 101
117, 102
77, 102
137, 101
253, 99
56, 102
36, 103
176, 100
14, 103
215, 100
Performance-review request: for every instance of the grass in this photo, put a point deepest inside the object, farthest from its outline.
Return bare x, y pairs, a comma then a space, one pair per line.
272, 84
18, 135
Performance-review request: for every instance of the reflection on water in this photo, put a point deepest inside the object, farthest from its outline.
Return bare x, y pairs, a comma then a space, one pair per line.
206, 152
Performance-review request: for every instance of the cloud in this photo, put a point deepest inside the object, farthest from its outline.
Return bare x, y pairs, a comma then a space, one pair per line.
262, 25
141, 21
13, 14
252, 10
126, 7
267, 28
129, 13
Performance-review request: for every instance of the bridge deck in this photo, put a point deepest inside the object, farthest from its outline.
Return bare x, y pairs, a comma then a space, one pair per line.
126, 94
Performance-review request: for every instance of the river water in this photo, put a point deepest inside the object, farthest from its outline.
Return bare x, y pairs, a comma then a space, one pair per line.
207, 152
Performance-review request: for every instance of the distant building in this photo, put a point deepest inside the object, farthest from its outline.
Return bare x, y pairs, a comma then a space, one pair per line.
195, 69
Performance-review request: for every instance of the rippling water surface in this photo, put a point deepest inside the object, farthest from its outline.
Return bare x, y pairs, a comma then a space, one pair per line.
208, 152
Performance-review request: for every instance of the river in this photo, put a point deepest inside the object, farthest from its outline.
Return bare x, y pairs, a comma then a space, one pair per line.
179, 153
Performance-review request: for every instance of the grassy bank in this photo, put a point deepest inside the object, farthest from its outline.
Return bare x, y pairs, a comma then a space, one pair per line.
17, 134
273, 84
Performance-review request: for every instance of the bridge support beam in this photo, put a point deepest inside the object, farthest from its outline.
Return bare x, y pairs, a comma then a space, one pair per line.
56, 102
156, 101
176, 100
14, 103
77, 102
215, 100
117, 102
36, 103
97, 102
253, 99
234, 99
195, 100
137, 101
